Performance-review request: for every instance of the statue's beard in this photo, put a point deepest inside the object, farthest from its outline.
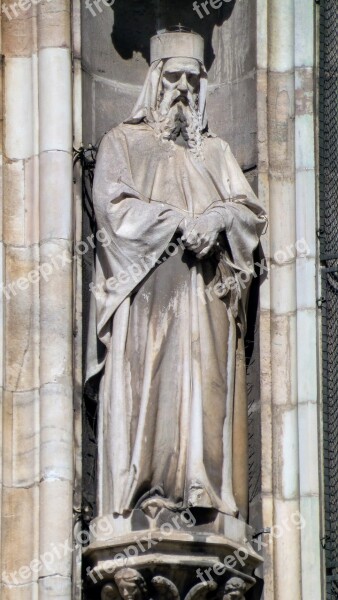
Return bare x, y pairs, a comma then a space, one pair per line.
181, 124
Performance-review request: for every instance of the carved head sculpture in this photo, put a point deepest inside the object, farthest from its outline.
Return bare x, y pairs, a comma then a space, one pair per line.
234, 589
131, 584
173, 98
179, 89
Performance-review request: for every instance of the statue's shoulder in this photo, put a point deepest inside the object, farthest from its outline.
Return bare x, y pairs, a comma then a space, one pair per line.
114, 138
115, 132
124, 131
216, 142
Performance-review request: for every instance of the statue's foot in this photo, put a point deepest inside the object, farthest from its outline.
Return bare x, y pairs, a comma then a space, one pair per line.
199, 497
229, 506
152, 506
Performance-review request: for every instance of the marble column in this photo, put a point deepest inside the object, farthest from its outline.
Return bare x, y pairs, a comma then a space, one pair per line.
308, 315
37, 483
77, 300
289, 319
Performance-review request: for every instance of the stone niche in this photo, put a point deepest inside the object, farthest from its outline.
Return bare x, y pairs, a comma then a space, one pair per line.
115, 60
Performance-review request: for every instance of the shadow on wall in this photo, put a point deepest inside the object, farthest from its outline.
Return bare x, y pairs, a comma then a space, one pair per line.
136, 21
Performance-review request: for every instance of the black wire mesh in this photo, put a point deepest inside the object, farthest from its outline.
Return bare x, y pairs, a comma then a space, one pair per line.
329, 256
87, 159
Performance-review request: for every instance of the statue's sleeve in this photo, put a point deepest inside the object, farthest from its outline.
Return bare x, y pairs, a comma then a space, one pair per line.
244, 218
132, 233
244, 222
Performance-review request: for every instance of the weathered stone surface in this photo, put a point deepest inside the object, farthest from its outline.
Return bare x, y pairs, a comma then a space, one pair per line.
56, 220
56, 460
281, 125
31, 219
283, 339
19, 138
18, 38
54, 24
55, 588
56, 312
19, 533
25, 447
55, 538
21, 592
55, 98
14, 208
21, 319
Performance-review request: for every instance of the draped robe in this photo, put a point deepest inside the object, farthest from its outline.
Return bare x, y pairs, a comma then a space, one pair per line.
172, 392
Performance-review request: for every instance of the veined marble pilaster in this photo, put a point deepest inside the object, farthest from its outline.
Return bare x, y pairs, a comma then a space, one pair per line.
37, 417
289, 320
78, 293
308, 339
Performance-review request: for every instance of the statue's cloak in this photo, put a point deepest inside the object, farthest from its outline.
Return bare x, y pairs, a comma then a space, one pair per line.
172, 395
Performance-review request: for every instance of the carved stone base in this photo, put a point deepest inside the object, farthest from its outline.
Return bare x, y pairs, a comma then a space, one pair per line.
148, 565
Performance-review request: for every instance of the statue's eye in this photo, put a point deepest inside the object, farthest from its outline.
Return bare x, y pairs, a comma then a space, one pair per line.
193, 79
172, 77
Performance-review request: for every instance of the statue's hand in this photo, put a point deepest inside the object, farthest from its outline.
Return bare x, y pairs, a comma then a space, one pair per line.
202, 238
187, 230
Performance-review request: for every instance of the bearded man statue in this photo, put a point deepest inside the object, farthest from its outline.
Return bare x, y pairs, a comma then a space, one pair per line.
170, 297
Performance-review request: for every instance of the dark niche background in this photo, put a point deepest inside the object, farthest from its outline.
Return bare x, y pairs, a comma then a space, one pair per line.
115, 59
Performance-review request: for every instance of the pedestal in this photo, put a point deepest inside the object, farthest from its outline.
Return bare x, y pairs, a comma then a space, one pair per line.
176, 559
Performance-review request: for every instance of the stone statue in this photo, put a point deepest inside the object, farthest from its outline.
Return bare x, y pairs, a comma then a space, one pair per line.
234, 589
169, 298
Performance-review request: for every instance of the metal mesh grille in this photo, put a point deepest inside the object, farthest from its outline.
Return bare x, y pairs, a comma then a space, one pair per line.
329, 256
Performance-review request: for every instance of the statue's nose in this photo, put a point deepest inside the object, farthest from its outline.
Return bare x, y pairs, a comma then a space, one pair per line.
183, 84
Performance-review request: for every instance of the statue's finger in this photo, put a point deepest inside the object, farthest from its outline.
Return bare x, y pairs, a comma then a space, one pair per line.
204, 252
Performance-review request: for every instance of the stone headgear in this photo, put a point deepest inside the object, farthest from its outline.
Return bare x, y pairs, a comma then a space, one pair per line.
176, 44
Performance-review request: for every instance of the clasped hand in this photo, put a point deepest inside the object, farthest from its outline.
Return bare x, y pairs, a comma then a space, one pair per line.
200, 235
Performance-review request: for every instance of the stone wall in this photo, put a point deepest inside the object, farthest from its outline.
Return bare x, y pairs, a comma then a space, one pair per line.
40, 316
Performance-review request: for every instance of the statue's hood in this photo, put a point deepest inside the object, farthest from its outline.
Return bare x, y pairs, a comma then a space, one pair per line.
145, 107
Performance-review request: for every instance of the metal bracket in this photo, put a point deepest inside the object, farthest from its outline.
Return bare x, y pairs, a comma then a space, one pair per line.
320, 302
261, 531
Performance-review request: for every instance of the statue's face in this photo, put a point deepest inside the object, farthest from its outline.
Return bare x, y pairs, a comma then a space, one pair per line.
234, 589
180, 83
